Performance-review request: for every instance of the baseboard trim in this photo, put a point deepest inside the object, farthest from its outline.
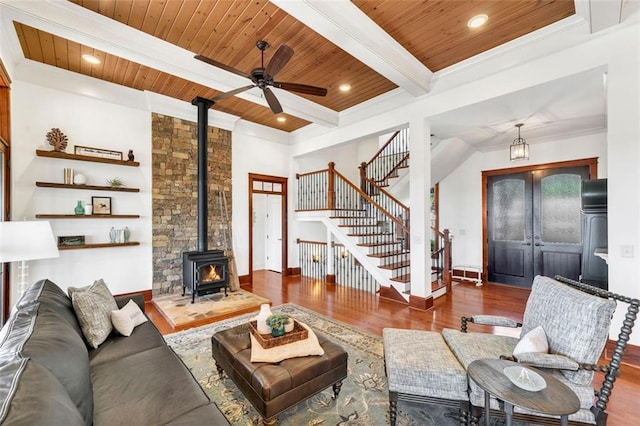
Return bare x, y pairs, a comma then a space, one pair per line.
420, 303
631, 354
294, 271
147, 294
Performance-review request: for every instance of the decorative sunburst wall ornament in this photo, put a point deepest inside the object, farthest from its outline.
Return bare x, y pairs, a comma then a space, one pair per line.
57, 139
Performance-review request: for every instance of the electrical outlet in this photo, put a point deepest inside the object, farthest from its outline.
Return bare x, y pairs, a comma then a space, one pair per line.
626, 251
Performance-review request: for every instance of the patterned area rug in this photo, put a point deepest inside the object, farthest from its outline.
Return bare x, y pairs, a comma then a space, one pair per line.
181, 313
363, 400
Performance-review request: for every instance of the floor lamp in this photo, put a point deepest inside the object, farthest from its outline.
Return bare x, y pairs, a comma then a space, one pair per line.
26, 240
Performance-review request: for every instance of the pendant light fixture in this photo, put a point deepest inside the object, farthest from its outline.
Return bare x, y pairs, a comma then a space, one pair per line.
519, 147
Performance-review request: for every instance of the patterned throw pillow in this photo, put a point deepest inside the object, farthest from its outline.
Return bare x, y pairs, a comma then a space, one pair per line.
93, 306
126, 319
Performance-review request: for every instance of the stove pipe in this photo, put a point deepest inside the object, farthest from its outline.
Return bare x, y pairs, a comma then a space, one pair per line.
203, 105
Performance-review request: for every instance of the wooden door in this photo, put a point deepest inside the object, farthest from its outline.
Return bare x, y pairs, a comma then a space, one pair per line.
510, 228
534, 224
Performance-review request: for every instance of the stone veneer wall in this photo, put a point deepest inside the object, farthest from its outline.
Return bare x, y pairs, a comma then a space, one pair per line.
175, 195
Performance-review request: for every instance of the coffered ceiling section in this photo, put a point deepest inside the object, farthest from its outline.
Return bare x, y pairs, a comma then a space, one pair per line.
373, 45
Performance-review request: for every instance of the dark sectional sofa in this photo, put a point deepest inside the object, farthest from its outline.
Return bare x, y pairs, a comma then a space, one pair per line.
49, 376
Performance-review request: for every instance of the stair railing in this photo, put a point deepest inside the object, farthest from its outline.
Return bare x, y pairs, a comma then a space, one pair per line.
347, 270
441, 257
394, 154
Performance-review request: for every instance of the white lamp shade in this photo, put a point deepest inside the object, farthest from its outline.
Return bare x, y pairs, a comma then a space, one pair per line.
26, 240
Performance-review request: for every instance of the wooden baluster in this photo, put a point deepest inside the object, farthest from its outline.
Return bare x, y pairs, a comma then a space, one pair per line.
331, 194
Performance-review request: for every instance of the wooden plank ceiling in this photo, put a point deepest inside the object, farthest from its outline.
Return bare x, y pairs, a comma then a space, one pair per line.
435, 32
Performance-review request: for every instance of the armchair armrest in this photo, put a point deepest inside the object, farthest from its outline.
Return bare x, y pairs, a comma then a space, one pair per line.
124, 299
489, 320
554, 361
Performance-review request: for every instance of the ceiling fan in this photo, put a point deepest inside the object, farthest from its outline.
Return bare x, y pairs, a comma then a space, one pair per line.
264, 77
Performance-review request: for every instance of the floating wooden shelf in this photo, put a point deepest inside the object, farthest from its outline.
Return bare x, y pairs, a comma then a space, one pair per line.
64, 155
100, 245
88, 216
90, 187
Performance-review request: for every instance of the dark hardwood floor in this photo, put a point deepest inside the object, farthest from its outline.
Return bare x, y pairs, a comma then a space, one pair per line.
368, 312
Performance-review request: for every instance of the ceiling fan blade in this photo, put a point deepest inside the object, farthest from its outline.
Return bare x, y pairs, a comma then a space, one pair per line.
220, 65
272, 101
232, 92
278, 60
301, 88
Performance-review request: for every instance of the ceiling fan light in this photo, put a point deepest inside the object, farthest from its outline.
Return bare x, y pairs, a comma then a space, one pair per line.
344, 87
519, 149
92, 59
477, 21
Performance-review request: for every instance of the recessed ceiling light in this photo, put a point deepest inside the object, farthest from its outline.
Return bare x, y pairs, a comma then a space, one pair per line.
344, 87
477, 21
91, 59
281, 119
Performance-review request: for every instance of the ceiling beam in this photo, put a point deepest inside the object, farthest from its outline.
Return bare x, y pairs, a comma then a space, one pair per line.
73, 22
346, 26
601, 14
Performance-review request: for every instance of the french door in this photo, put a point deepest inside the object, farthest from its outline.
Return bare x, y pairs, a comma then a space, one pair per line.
534, 224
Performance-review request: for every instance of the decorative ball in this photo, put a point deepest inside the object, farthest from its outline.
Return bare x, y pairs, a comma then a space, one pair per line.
79, 179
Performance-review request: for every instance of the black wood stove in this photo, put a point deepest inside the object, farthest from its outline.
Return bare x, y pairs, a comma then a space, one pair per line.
204, 271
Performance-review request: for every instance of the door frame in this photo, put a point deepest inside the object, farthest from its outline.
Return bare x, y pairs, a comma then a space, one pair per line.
591, 162
5, 147
255, 177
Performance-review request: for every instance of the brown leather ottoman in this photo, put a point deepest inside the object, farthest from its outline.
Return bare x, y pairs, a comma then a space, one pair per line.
273, 388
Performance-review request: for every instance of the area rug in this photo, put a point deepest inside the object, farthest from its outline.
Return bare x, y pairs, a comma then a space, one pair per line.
181, 313
363, 399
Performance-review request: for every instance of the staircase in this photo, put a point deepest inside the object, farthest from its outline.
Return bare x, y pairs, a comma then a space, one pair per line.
369, 221
375, 176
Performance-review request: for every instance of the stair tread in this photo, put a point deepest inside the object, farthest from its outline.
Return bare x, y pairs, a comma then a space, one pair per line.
358, 226
396, 265
402, 278
382, 243
366, 235
388, 253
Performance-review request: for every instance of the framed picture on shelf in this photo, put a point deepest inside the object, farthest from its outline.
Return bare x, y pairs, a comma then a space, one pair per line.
101, 205
76, 240
97, 152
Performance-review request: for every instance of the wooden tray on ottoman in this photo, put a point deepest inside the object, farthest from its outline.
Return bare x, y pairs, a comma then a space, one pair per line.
267, 341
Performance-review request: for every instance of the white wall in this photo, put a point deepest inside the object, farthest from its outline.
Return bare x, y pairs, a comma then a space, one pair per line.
88, 122
461, 196
261, 155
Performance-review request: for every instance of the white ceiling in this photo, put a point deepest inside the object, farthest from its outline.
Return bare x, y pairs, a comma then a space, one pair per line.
569, 106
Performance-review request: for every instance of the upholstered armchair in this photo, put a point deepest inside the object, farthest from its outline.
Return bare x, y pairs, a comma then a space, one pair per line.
575, 318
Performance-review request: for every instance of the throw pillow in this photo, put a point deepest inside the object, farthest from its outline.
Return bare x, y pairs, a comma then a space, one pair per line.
93, 306
533, 341
308, 346
126, 319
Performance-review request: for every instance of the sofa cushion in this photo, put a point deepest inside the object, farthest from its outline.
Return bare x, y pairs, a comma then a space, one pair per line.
151, 387
468, 347
208, 414
37, 332
576, 323
31, 395
144, 337
48, 293
93, 306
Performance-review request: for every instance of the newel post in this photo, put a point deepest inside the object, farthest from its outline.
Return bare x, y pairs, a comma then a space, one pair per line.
363, 178
446, 276
331, 190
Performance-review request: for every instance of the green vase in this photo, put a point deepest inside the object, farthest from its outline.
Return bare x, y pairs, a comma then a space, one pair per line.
277, 332
79, 208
